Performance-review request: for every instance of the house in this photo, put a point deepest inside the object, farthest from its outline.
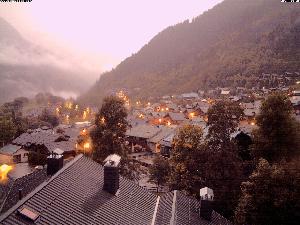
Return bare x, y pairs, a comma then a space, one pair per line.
154, 142
225, 92
13, 154
295, 99
49, 140
190, 96
85, 192
166, 145
174, 118
251, 113
19, 186
139, 135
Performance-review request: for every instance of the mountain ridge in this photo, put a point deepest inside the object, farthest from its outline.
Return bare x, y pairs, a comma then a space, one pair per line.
235, 37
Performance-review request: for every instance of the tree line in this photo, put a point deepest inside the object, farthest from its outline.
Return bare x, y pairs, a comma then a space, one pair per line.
256, 183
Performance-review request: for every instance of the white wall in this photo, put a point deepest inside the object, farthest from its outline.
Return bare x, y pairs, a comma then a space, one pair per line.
24, 155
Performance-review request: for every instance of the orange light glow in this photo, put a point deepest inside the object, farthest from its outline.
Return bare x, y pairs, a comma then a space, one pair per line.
169, 123
84, 115
83, 132
159, 120
252, 123
102, 120
192, 115
86, 145
4, 169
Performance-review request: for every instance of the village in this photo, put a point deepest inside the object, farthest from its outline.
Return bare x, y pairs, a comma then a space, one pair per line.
153, 123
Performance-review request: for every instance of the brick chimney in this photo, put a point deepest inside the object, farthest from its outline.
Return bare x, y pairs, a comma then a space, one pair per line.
206, 203
54, 163
111, 174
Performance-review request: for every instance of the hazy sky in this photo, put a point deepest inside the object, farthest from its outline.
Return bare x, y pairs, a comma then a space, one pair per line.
106, 32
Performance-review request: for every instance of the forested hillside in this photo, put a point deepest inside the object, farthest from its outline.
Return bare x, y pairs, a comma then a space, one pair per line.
236, 38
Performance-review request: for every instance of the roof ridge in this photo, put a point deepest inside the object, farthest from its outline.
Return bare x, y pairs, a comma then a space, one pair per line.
39, 188
3, 203
172, 221
155, 210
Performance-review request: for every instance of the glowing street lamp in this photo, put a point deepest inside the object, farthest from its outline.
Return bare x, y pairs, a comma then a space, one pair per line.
84, 131
86, 146
4, 169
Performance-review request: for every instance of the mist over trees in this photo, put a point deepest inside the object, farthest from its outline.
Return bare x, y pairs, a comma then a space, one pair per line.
27, 68
228, 45
257, 186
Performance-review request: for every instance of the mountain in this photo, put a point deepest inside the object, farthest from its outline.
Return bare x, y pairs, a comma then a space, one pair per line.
236, 39
26, 68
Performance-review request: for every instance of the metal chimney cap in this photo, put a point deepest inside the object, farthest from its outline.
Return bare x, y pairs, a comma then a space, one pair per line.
112, 160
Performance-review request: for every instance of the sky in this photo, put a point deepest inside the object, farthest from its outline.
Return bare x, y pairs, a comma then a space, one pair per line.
102, 32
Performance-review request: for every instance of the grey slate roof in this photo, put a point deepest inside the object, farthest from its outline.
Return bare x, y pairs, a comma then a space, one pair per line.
177, 116
75, 195
10, 191
143, 131
164, 132
175, 208
9, 149
47, 138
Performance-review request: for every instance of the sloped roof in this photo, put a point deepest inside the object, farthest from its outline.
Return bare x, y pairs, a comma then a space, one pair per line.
190, 95
176, 116
47, 138
175, 208
10, 190
143, 131
167, 141
75, 195
164, 132
251, 112
9, 149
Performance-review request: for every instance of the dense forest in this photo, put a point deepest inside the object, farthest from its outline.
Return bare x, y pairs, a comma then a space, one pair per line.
236, 38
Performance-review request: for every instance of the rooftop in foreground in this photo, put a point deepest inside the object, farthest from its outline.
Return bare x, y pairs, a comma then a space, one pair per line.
75, 195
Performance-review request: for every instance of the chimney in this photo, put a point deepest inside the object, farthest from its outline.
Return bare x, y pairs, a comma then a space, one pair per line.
206, 203
111, 174
54, 163
20, 193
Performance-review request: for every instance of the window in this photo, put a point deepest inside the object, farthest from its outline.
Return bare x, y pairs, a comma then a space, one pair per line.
17, 158
28, 213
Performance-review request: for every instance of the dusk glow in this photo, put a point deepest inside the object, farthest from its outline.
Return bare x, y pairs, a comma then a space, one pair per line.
104, 31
